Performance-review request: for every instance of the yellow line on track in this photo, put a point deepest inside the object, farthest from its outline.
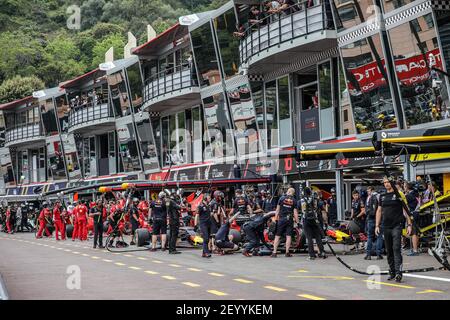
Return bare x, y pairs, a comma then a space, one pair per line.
390, 284
243, 281
275, 288
217, 293
310, 297
190, 284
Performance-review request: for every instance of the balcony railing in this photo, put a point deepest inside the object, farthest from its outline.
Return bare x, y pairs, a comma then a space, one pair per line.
90, 112
297, 21
24, 131
169, 80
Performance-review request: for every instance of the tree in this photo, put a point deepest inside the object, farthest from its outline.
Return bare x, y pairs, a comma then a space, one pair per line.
98, 52
91, 13
19, 87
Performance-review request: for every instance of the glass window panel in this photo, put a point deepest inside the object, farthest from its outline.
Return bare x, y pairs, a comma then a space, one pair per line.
165, 141
284, 109
271, 114
135, 80
325, 92
197, 135
119, 94
205, 55
225, 26
128, 145
156, 124
443, 25
368, 86
244, 119
219, 128
348, 14
415, 54
49, 118
258, 102
390, 5
148, 147
62, 111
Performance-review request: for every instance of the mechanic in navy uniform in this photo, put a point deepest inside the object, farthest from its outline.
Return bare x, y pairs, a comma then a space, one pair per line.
96, 213
134, 219
217, 215
158, 214
254, 232
358, 211
331, 205
223, 239
309, 207
203, 219
286, 216
391, 211
173, 210
241, 204
372, 203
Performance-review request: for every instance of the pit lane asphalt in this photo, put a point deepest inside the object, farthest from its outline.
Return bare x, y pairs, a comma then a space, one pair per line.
37, 269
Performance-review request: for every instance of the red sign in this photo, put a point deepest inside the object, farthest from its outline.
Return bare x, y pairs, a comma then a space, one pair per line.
410, 71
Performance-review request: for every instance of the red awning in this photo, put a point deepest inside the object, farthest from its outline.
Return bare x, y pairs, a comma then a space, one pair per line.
166, 37
12, 104
83, 78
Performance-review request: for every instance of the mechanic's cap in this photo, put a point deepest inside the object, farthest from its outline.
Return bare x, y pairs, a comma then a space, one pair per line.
162, 195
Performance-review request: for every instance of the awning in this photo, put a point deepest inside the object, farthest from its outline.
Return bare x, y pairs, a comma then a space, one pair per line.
153, 46
16, 103
416, 141
323, 151
79, 81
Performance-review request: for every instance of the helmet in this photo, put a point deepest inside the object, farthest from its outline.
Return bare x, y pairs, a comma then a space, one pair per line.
45, 204
162, 195
238, 191
218, 194
333, 190
135, 200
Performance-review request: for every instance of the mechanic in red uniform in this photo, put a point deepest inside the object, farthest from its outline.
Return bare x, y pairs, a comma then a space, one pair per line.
75, 222
143, 212
44, 215
58, 221
65, 221
82, 217
8, 220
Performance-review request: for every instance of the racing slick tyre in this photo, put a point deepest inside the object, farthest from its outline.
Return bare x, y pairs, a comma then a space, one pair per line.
237, 237
354, 228
69, 230
50, 228
142, 237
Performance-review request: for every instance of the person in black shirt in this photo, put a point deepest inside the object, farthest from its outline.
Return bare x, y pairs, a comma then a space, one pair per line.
159, 215
358, 210
174, 225
134, 219
96, 213
391, 210
286, 215
223, 239
311, 225
372, 203
412, 198
256, 17
203, 219
331, 206
254, 232
217, 214
241, 204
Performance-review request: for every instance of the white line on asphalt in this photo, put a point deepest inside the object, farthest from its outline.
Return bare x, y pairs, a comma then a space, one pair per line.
426, 277
191, 284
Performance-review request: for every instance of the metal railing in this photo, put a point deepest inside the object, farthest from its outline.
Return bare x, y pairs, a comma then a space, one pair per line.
89, 112
296, 21
169, 80
23, 131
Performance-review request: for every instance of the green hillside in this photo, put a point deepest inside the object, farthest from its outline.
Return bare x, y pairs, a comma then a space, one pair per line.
37, 44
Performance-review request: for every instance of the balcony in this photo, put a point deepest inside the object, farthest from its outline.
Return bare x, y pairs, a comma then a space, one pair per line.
91, 114
305, 31
23, 134
175, 87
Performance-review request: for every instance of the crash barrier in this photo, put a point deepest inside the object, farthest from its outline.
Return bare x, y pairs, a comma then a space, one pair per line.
3, 291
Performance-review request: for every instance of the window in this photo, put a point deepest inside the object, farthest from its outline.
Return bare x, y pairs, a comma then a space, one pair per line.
49, 118
271, 114
284, 111
351, 13
258, 103
415, 26
135, 81
225, 26
119, 94
218, 124
368, 86
414, 61
429, 20
147, 143
197, 134
205, 55
345, 115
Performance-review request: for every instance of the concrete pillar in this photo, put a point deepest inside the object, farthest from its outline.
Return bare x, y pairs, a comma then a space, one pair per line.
340, 194
109, 55
132, 43
151, 33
